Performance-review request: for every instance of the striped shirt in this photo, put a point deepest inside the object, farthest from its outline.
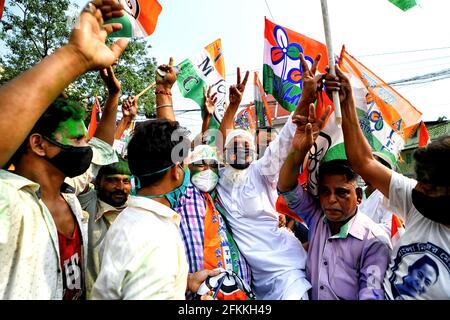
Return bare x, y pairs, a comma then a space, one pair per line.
192, 210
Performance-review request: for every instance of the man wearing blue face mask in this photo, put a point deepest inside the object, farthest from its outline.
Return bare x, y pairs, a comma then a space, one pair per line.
143, 253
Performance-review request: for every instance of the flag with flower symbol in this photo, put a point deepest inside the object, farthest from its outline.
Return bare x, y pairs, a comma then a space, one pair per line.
282, 71
387, 120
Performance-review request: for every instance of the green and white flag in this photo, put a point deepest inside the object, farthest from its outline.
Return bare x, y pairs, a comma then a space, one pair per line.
404, 4
205, 69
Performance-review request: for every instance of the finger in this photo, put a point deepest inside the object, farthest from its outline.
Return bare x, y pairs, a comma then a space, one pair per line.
315, 64
325, 115
340, 73
300, 120
245, 78
305, 67
213, 272
238, 76
214, 101
209, 90
311, 116
308, 132
97, 14
103, 72
112, 27
171, 62
119, 47
214, 96
204, 93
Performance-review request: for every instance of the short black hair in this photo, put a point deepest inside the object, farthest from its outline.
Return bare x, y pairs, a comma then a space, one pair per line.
431, 162
337, 167
423, 261
150, 149
59, 111
119, 167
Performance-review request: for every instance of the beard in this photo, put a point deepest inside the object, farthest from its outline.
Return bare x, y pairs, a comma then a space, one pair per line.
232, 177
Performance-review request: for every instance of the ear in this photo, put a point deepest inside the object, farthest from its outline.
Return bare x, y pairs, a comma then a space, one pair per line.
359, 195
175, 172
38, 144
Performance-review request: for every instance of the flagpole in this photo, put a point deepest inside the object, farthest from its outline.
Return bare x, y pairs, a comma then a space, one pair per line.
326, 26
146, 89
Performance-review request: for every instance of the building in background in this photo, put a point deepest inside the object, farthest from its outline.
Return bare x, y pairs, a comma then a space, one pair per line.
436, 129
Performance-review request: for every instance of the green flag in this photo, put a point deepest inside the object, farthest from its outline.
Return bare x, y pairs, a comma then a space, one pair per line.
404, 4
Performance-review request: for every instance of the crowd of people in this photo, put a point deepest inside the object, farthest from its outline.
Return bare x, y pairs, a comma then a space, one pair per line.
170, 219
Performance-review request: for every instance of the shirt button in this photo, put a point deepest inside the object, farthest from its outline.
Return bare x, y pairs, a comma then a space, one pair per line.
321, 288
325, 263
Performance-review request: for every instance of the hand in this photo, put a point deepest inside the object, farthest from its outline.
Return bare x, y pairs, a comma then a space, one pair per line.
169, 78
109, 78
196, 279
210, 101
340, 83
208, 296
311, 81
130, 107
87, 39
308, 129
237, 90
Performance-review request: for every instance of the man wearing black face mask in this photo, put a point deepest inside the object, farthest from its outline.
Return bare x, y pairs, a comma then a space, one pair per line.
424, 204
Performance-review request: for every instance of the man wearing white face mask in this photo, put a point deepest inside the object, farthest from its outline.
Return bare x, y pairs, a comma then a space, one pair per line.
208, 242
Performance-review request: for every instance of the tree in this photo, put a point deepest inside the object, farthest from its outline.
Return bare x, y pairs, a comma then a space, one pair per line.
31, 30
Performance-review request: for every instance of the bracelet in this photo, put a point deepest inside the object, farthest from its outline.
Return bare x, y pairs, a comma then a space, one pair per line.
163, 92
163, 106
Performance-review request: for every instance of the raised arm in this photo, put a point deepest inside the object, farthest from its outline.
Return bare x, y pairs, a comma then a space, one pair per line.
209, 107
107, 125
29, 95
235, 97
307, 131
358, 150
165, 78
129, 112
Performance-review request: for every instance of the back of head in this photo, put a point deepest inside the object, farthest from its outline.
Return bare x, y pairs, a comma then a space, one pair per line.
431, 162
155, 146
337, 167
59, 111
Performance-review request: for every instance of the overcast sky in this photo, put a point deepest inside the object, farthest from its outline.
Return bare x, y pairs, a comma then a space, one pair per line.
370, 29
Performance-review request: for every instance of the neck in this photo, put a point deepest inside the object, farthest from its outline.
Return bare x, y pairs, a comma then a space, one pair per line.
49, 178
155, 191
335, 226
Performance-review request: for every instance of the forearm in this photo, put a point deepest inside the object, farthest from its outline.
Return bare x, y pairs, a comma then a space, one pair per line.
226, 124
164, 106
30, 94
106, 127
205, 123
124, 123
289, 171
357, 148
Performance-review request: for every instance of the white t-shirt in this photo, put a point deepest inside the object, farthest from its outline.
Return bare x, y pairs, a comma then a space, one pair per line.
376, 208
420, 261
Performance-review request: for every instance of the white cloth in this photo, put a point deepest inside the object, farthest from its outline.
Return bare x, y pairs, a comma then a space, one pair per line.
30, 266
143, 255
376, 207
423, 239
277, 259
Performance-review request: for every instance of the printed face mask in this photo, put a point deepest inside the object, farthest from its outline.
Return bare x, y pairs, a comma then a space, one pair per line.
205, 180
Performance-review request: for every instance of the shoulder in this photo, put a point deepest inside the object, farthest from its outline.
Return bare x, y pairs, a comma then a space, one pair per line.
372, 231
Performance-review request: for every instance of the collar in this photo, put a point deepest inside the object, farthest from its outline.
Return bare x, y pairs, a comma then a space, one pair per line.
155, 207
19, 182
105, 207
354, 227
